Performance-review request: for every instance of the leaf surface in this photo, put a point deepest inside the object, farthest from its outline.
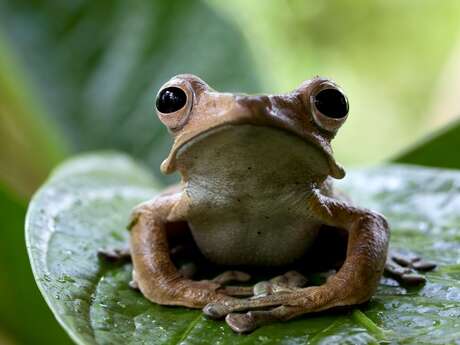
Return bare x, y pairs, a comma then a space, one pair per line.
85, 206
20, 300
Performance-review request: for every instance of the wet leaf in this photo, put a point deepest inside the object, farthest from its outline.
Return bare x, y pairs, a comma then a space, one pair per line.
85, 205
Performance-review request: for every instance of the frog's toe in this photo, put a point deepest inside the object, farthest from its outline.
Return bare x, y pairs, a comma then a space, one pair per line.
231, 276
404, 266
412, 279
237, 291
285, 283
412, 260
114, 254
248, 322
291, 279
216, 310
266, 288
424, 266
241, 323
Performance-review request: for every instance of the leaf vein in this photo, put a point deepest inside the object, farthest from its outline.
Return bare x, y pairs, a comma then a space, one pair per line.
189, 329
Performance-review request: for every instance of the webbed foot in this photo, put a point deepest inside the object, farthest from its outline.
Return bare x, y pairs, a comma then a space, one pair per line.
285, 283
280, 306
405, 267
264, 294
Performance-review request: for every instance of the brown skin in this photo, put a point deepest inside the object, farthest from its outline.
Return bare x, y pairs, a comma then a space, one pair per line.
241, 157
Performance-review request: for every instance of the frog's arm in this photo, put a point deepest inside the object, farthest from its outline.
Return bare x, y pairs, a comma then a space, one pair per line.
154, 271
368, 238
354, 283
403, 266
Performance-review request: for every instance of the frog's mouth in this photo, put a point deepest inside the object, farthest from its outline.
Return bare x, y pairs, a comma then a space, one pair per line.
188, 140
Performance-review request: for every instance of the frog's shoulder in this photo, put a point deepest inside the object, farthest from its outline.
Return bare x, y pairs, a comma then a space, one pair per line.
149, 205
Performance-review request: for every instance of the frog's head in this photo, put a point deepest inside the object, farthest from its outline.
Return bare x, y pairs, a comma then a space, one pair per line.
311, 114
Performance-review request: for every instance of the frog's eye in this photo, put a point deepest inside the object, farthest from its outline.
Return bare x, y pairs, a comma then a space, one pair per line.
170, 100
173, 104
330, 108
332, 103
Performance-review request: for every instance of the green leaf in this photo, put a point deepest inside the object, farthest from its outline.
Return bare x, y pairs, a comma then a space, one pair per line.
97, 65
23, 314
23, 129
85, 206
440, 149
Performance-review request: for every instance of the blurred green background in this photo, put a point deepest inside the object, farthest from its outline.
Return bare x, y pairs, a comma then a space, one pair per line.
82, 75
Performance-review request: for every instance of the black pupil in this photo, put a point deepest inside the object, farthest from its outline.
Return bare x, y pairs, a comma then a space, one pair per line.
332, 103
171, 99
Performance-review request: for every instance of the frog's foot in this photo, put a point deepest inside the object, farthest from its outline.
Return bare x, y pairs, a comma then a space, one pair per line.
284, 306
234, 276
245, 323
231, 276
404, 266
115, 254
285, 283
266, 293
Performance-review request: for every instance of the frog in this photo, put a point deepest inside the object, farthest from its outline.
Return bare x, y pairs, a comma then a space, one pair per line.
257, 190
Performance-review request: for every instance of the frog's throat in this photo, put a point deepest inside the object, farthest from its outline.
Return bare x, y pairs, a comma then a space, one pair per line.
336, 170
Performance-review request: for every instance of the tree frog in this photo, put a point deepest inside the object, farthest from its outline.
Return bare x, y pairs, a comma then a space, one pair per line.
256, 191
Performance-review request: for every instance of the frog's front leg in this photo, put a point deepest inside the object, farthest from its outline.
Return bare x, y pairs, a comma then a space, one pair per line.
354, 283
155, 274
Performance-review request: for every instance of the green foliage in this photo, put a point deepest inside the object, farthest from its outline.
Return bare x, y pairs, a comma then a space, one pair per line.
24, 315
85, 206
90, 70
387, 55
83, 75
97, 66
29, 147
440, 149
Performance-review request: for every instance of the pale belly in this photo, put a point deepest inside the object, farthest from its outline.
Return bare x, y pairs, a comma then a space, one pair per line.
246, 236
248, 189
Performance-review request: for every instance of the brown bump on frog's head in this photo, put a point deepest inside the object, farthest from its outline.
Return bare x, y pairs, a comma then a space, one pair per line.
314, 112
